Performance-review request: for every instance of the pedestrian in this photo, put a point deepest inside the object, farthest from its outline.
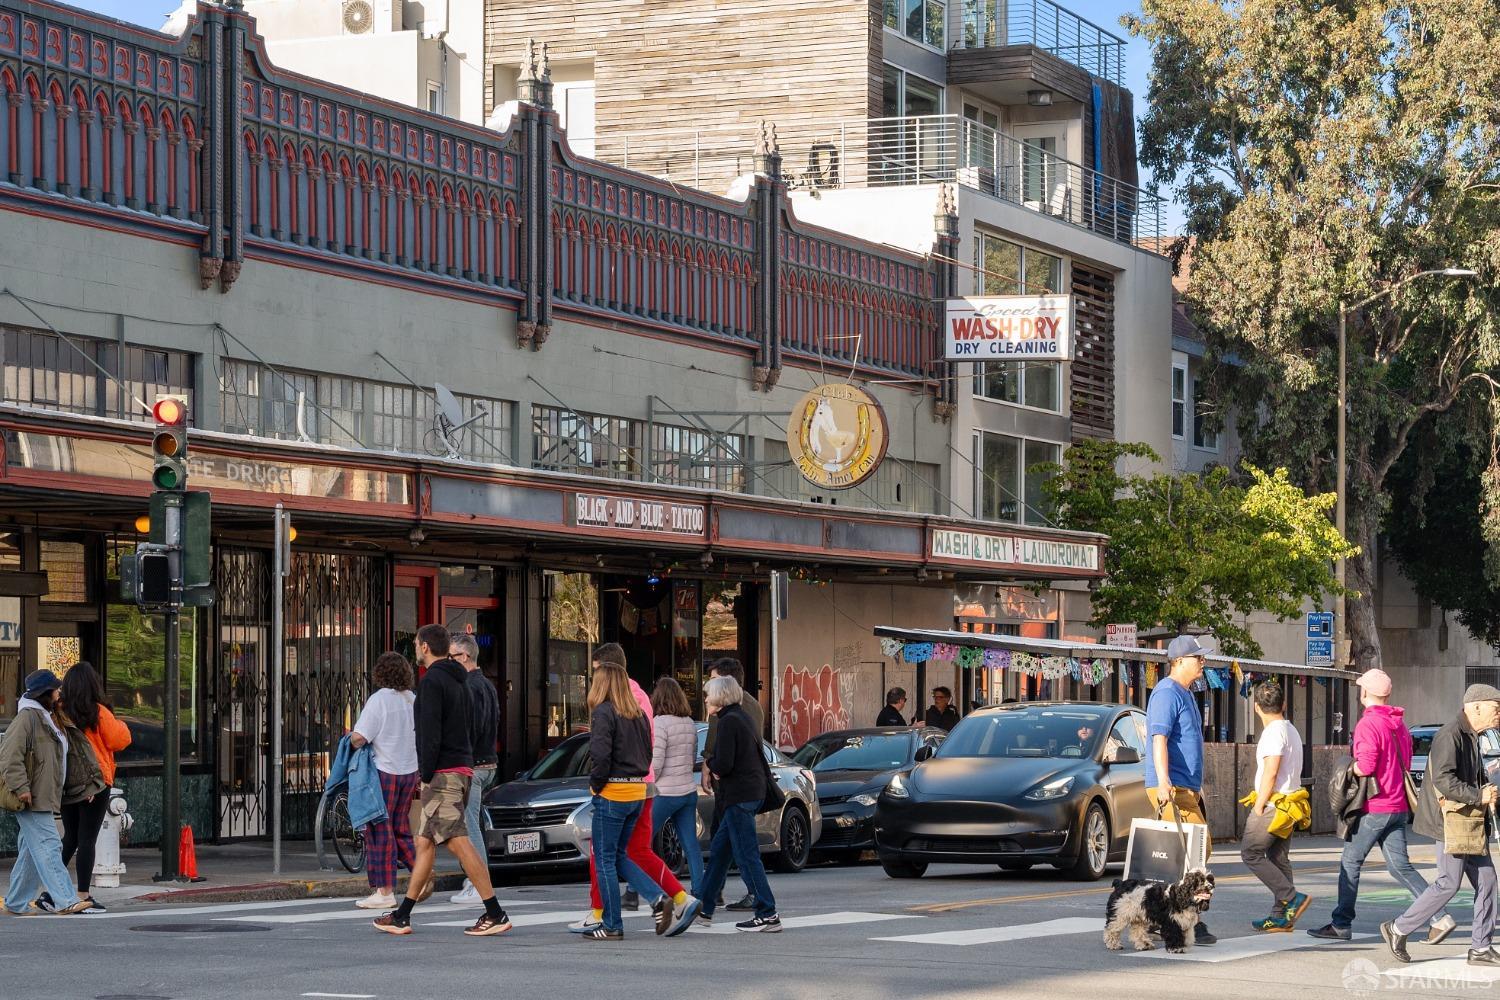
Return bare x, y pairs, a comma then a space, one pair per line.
620, 752
1278, 772
484, 723
83, 700
33, 755
674, 751
639, 848
386, 725
890, 715
942, 713
1174, 725
740, 771
1455, 808
445, 765
728, 666
1382, 750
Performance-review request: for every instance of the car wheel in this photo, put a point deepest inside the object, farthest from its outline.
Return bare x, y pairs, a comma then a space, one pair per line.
669, 849
1015, 866
795, 841
1093, 853
896, 868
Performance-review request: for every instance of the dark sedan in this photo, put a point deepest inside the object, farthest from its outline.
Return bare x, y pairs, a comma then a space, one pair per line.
852, 767
1018, 785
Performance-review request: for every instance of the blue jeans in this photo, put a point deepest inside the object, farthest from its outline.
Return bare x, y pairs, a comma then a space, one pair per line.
39, 864
1388, 831
474, 818
613, 824
736, 836
682, 812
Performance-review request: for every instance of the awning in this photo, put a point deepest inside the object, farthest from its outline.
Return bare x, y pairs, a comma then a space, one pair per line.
1098, 651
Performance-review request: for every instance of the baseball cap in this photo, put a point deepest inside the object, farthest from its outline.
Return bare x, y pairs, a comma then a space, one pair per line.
1376, 682
1480, 692
1186, 645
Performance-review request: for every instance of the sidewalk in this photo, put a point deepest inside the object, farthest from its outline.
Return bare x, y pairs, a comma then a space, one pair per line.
243, 872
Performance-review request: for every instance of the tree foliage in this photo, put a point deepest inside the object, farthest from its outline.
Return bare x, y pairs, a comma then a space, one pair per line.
1328, 151
1204, 550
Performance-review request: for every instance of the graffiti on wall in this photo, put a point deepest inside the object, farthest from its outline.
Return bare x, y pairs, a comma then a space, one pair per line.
812, 702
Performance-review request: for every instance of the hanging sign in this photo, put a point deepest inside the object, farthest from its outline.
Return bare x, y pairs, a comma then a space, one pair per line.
594, 510
1010, 328
837, 436
1124, 634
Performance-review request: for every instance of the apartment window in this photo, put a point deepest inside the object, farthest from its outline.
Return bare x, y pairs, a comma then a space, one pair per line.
906, 95
1007, 482
43, 370
1179, 400
1006, 268
920, 20
434, 97
1203, 435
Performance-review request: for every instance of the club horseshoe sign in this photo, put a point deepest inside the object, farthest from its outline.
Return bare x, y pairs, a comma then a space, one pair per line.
837, 436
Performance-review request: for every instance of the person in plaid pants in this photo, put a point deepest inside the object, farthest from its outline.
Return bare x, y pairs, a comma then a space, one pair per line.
386, 724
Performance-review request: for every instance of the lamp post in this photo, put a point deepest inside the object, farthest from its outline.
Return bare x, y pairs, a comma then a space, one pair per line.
1340, 623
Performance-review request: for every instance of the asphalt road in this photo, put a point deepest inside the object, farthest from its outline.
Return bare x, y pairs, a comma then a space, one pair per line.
850, 933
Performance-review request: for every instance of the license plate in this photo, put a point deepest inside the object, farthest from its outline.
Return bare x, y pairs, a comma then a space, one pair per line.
523, 843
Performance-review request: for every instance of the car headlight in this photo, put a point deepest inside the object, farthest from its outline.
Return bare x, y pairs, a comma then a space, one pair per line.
1054, 789
867, 799
897, 788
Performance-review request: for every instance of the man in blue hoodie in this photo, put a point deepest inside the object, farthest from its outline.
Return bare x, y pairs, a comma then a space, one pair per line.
1382, 749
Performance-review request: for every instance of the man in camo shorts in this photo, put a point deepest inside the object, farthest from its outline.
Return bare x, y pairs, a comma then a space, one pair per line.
445, 763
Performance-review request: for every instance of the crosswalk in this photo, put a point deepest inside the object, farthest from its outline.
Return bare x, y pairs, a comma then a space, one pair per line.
908, 930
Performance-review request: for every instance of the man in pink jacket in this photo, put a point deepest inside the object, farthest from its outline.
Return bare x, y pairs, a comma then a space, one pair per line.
1382, 748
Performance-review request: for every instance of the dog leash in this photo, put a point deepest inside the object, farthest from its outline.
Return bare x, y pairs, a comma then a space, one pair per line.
1181, 833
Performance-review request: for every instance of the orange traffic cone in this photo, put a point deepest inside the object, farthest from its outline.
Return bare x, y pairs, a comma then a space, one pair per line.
187, 856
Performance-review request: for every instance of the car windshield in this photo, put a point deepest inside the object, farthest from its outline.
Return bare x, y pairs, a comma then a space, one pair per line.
1026, 732
569, 759
1421, 741
878, 752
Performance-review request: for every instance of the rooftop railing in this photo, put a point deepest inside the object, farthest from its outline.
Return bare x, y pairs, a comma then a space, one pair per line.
1054, 29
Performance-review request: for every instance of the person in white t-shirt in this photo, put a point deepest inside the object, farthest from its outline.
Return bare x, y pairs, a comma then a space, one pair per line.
386, 724
1278, 771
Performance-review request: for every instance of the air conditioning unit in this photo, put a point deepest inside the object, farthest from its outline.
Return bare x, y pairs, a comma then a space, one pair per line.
365, 17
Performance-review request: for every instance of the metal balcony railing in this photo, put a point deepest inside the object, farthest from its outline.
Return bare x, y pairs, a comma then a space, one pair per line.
890, 152
1054, 29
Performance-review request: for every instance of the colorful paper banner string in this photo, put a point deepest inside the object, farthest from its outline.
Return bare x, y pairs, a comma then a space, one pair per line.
917, 652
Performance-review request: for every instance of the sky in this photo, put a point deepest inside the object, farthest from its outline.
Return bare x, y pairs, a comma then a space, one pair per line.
1105, 13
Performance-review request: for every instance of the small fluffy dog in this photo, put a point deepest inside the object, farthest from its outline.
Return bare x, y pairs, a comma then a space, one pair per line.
1140, 908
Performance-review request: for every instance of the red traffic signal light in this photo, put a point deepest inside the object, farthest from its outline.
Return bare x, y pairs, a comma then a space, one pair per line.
169, 410
169, 446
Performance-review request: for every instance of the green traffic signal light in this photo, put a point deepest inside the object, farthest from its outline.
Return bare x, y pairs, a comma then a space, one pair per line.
165, 478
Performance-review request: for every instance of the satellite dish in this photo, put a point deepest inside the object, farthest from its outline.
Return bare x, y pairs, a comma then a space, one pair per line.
450, 421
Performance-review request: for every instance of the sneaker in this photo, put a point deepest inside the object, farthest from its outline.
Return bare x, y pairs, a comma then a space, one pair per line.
1295, 907
391, 924
1202, 935
662, 910
1331, 932
602, 933
78, 907
467, 896
765, 925
584, 926
488, 926
1276, 922
745, 905
1438, 932
1485, 957
1396, 942
43, 903
377, 901
94, 906
685, 917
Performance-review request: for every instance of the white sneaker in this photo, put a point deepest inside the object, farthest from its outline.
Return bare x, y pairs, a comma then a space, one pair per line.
466, 896
584, 926
377, 901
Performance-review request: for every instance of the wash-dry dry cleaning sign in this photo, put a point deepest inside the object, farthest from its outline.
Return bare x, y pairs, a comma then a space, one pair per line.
1010, 328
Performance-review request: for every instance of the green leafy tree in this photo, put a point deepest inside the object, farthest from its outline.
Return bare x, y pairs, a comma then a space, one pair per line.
1329, 152
1196, 550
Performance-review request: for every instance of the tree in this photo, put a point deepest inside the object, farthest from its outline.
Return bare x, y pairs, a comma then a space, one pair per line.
1328, 152
1204, 550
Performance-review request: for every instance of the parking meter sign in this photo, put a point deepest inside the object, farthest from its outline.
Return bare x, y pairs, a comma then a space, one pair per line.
1320, 624
1320, 652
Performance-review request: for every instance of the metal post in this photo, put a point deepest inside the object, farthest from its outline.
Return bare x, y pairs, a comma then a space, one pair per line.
775, 659
171, 772
1340, 605
278, 639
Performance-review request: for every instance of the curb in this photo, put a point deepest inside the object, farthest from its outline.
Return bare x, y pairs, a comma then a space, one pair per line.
331, 888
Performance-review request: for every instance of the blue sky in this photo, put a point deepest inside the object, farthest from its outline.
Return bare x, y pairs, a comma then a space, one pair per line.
1105, 13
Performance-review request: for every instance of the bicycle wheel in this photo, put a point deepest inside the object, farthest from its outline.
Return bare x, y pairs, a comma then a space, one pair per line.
348, 842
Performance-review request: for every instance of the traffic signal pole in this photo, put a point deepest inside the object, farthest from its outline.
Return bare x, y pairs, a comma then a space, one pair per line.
171, 796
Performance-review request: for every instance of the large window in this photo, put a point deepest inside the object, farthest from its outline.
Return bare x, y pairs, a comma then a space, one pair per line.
919, 20
572, 633
1006, 268
1179, 400
1204, 436
623, 448
1007, 481
42, 369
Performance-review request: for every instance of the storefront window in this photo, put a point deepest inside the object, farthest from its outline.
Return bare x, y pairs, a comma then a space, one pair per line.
572, 634
67, 572
135, 655
467, 581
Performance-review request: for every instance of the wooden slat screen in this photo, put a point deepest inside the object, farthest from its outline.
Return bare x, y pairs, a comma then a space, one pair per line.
1093, 381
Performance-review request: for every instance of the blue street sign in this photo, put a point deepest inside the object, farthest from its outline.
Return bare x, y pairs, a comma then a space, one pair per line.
1320, 624
1320, 652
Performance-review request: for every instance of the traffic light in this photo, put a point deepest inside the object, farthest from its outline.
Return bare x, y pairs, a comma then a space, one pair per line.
169, 445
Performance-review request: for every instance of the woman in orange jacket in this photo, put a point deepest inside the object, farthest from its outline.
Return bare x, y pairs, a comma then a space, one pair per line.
83, 699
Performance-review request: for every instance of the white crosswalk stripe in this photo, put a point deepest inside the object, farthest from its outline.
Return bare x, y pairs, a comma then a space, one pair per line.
1017, 932
348, 912
816, 920
1232, 949
195, 911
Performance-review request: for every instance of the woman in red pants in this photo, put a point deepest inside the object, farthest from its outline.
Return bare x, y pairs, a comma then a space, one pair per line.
639, 848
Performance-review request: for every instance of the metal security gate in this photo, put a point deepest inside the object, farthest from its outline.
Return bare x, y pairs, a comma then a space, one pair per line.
242, 627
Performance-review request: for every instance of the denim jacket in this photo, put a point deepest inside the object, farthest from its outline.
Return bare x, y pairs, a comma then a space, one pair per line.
357, 767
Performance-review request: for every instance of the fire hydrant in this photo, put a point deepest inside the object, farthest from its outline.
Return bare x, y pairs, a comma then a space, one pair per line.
107, 864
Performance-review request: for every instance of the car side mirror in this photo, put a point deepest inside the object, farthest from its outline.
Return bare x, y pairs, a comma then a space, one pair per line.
1125, 755
924, 753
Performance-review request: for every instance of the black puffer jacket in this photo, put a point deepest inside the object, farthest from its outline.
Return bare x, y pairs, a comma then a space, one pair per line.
1348, 794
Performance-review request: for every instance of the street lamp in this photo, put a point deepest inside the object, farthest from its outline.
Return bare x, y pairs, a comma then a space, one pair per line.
1340, 625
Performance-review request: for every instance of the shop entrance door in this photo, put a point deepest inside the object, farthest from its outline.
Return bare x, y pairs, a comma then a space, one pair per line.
413, 604
480, 617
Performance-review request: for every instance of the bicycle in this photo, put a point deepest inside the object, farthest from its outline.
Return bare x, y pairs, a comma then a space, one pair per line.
333, 823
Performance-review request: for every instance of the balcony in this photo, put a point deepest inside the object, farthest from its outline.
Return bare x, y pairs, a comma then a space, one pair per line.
996, 36
893, 152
